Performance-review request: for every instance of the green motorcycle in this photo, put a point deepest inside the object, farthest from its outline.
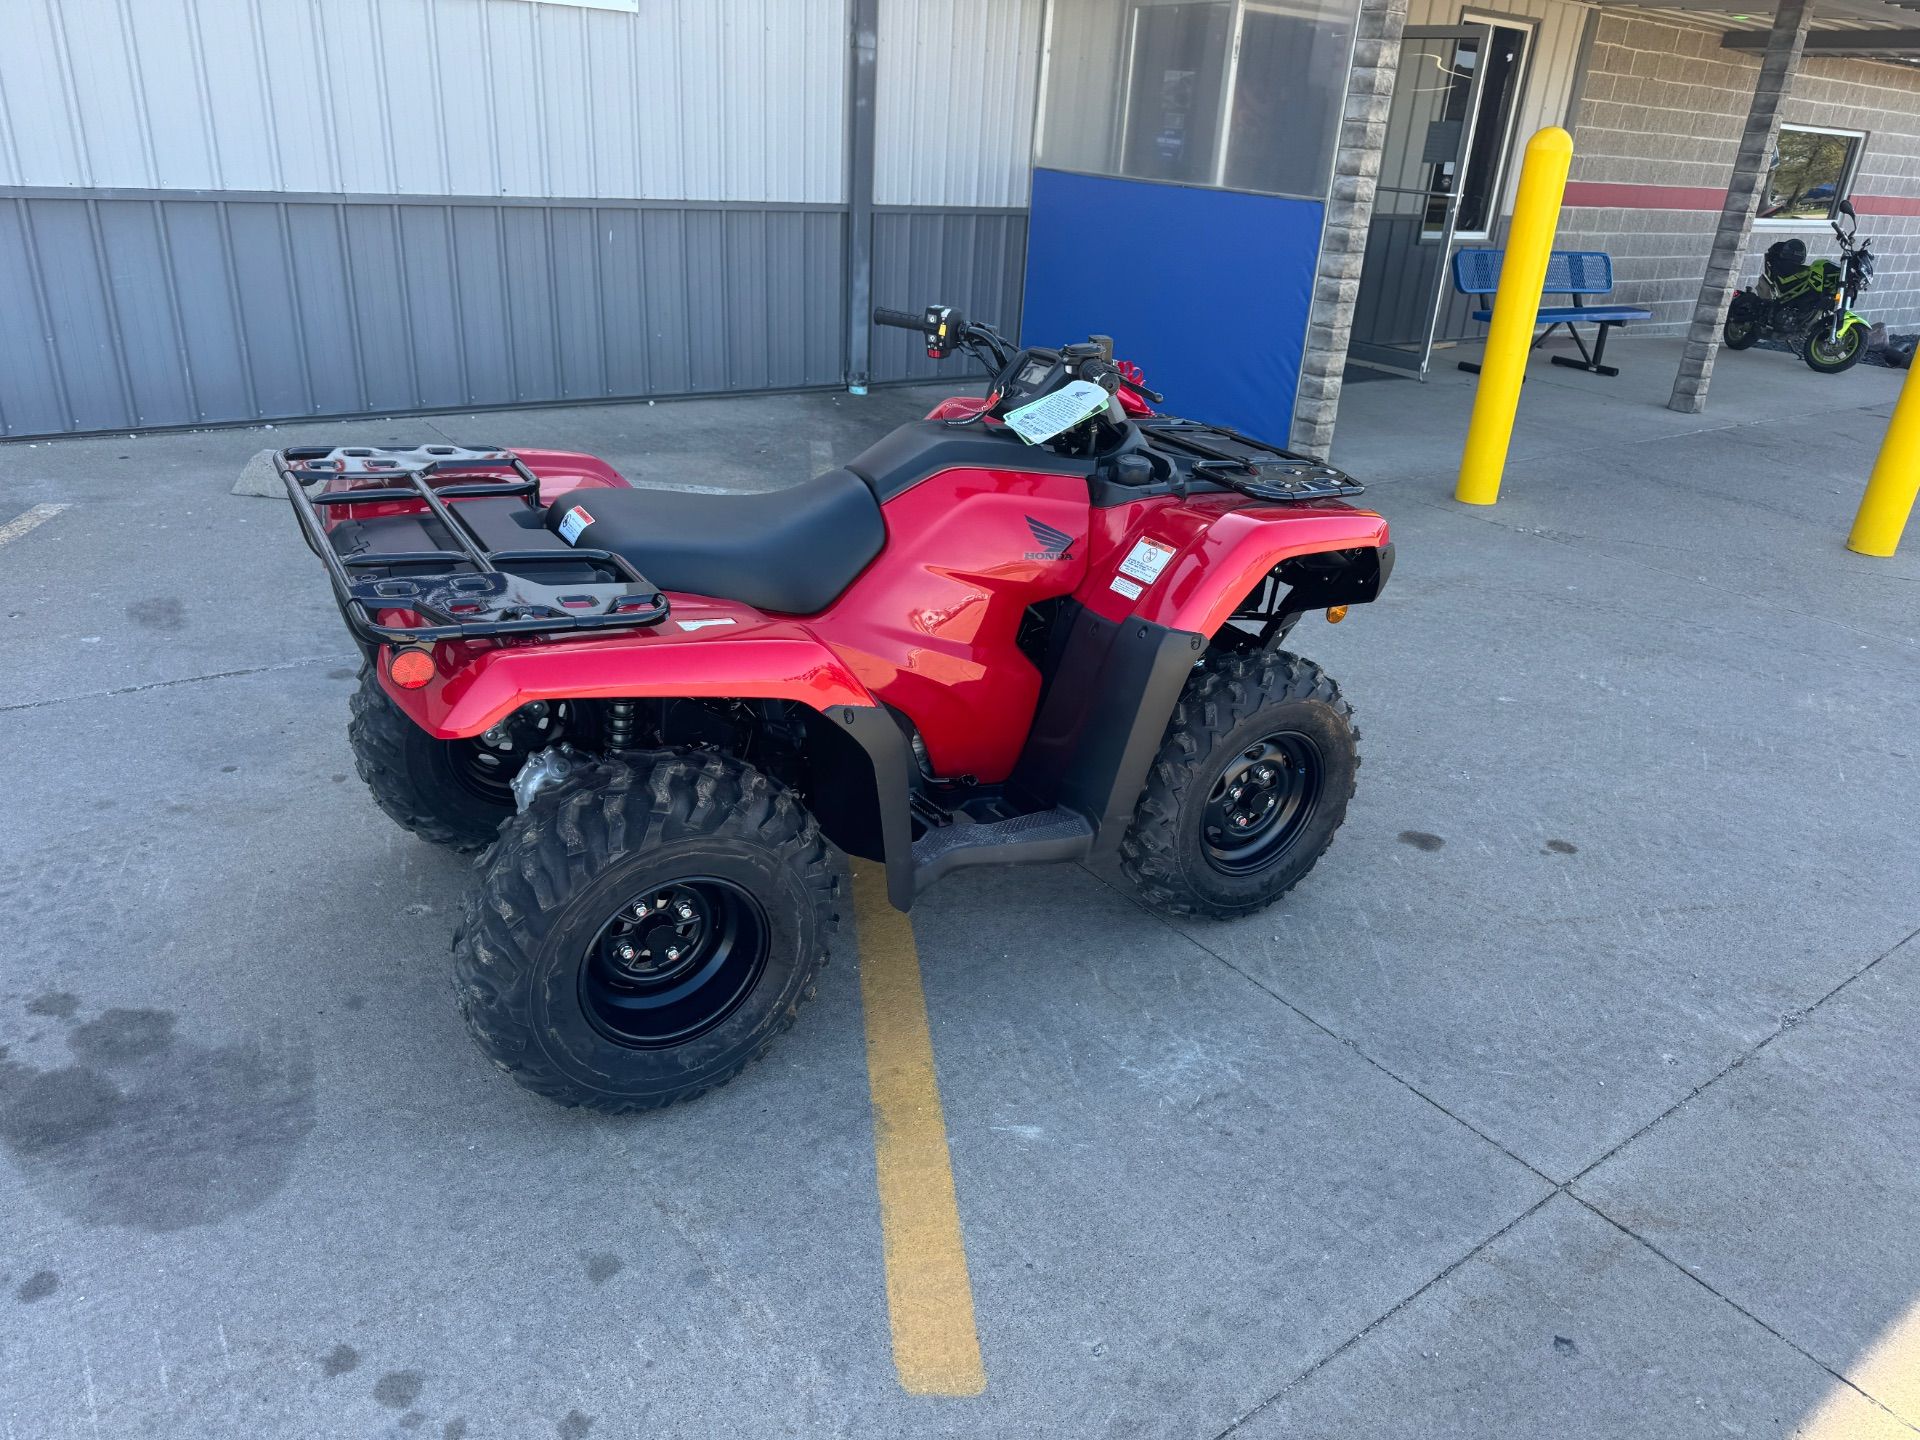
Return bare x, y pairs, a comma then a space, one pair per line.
1793, 300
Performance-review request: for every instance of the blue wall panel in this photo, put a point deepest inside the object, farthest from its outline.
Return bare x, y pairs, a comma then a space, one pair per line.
1206, 290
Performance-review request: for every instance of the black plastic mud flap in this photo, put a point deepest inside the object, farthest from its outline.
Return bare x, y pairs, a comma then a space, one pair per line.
1103, 716
877, 827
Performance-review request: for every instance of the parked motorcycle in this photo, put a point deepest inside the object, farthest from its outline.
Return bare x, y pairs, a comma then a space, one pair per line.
1795, 300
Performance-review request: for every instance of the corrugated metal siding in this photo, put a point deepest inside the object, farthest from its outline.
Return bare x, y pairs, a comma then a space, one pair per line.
954, 102
976, 261
687, 100
160, 310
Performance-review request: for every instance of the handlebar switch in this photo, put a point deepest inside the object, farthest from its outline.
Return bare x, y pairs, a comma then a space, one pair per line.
944, 325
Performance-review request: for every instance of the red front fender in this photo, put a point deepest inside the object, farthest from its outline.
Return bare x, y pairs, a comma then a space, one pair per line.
705, 649
1221, 546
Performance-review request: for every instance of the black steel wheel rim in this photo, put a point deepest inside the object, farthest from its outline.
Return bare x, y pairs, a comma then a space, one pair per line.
673, 962
1262, 802
485, 765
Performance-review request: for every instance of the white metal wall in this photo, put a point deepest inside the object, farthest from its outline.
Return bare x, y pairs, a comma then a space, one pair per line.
216, 210
954, 108
727, 100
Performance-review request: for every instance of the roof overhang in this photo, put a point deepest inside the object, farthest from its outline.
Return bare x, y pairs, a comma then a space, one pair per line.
1886, 30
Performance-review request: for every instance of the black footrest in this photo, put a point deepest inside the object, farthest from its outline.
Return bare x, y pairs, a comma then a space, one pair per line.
1027, 839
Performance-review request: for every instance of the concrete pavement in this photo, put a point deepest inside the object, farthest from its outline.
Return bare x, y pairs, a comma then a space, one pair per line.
1571, 1094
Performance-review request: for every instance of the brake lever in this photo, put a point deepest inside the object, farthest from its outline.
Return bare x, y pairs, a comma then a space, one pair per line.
1134, 385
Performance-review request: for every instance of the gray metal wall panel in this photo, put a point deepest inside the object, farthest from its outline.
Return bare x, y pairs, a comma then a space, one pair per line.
160, 309
688, 99
972, 259
144, 299
204, 295
71, 278
31, 402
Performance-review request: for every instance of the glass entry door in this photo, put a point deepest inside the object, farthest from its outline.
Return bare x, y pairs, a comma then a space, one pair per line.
1416, 208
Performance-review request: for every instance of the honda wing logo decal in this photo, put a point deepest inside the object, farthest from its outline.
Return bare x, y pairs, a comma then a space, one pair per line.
1054, 544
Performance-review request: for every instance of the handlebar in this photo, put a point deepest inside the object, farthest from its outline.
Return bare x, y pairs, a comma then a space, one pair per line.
946, 329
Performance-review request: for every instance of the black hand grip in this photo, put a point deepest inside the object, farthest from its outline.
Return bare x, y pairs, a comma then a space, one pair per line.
900, 320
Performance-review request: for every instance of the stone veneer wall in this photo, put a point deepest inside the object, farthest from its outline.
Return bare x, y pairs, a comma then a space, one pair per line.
1343, 240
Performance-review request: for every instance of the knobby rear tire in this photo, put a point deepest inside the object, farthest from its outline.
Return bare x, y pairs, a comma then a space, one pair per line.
414, 777
612, 830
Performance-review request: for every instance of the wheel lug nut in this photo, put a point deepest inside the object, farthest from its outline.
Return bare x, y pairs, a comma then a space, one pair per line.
685, 912
673, 954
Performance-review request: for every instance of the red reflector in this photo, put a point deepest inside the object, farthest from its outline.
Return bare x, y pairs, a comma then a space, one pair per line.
410, 669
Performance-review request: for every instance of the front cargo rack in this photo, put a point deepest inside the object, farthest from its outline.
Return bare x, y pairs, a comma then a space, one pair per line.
478, 589
1253, 467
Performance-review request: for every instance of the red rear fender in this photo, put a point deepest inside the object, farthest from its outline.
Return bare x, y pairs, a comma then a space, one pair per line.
705, 649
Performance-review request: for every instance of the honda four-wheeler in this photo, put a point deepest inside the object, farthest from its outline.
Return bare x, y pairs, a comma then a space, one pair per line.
1809, 305
1038, 625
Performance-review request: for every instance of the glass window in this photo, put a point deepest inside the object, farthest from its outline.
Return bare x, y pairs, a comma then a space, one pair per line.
1242, 94
1283, 128
1171, 123
1812, 172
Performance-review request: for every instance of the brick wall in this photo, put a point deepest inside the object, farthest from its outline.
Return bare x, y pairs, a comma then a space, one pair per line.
1661, 111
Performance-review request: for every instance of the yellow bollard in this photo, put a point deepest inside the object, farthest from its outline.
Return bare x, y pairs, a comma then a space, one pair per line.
1896, 478
1516, 306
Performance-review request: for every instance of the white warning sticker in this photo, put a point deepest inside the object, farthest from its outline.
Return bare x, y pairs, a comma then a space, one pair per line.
573, 523
1126, 587
705, 623
1146, 560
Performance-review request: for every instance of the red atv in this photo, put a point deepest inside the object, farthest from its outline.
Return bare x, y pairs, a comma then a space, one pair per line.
1033, 627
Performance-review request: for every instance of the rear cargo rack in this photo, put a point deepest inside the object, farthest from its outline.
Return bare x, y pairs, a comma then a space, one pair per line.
470, 592
1253, 467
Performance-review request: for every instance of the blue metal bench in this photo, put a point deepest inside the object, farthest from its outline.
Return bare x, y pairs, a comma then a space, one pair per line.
1569, 272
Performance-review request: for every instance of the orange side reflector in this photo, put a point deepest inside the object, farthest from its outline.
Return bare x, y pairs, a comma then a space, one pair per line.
1335, 614
410, 669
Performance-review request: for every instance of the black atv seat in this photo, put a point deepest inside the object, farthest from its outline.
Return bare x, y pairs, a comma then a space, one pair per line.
791, 551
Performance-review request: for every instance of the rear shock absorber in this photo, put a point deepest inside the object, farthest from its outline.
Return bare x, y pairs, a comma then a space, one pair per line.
619, 725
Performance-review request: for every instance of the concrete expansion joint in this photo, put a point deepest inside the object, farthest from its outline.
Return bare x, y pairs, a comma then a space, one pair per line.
180, 680
1787, 1021
1721, 1296
1386, 1315
1567, 1187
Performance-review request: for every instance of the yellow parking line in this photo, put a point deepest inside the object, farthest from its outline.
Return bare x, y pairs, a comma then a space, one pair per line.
936, 1350
21, 524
